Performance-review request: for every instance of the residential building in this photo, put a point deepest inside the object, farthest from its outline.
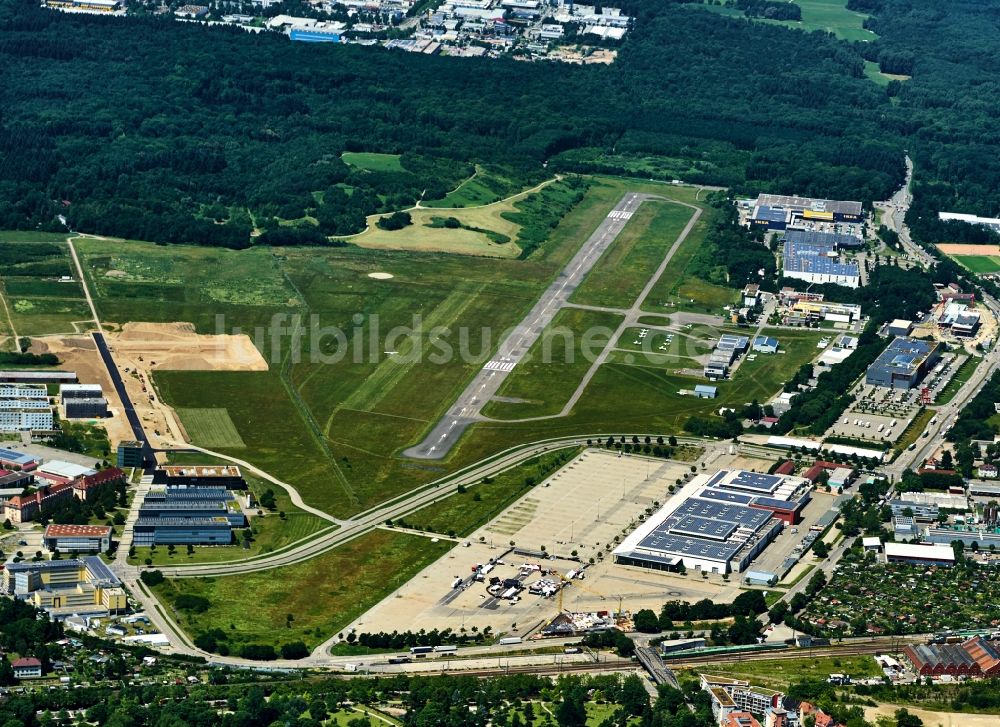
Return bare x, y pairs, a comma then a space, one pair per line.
27, 668
79, 391
740, 719
26, 419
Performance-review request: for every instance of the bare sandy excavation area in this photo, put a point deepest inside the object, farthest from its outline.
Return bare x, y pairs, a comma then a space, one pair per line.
176, 347
139, 348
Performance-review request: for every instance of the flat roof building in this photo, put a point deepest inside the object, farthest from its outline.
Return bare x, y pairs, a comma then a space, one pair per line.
903, 364
777, 211
919, 554
38, 377
197, 475
818, 263
77, 538
84, 586
838, 240
729, 518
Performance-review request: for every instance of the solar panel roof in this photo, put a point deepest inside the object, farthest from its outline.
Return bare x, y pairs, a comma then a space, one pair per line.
726, 496
685, 545
756, 481
703, 527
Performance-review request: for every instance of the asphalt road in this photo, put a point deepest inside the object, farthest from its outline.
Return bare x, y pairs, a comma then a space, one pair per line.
467, 407
116, 379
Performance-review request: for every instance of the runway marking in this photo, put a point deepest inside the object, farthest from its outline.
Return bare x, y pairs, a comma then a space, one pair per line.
503, 366
619, 214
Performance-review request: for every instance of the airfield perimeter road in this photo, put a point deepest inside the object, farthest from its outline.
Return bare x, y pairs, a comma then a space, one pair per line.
466, 409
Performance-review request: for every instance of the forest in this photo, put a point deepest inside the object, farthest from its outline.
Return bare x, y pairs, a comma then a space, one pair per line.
224, 132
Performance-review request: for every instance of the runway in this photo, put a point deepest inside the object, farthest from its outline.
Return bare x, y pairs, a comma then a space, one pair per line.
467, 407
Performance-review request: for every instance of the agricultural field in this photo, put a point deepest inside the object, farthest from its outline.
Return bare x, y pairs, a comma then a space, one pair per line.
321, 595
630, 261
39, 286
372, 161
211, 428
554, 366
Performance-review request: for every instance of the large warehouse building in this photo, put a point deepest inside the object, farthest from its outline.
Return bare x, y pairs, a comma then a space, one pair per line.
818, 263
730, 517
777, 211
903, 364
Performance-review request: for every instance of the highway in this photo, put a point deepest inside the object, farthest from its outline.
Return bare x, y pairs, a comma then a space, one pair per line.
485, 384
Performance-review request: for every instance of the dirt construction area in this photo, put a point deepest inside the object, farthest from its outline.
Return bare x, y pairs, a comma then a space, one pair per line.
573, 516
138, 348
176, 347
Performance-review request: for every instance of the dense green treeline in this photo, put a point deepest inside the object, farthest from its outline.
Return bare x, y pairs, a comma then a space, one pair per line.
949, 109
153, 129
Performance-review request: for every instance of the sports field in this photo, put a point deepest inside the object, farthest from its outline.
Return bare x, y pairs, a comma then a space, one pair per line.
980, 263
211, 428
372, 161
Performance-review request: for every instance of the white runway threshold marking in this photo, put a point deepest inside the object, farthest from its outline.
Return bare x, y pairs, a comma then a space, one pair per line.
619, 214
499, 366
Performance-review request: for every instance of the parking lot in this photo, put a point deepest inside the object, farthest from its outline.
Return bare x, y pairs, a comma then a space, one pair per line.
514, 573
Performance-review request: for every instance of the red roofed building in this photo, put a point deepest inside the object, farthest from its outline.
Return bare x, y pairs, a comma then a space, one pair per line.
812, 474
97, 481
740, 719
785, 468
22, 508
27, 668
78, 538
